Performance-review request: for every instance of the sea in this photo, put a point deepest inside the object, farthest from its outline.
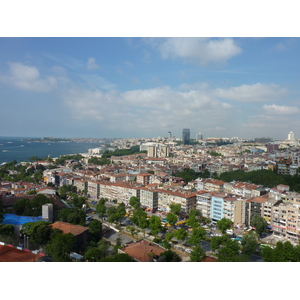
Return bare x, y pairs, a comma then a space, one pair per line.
15, 148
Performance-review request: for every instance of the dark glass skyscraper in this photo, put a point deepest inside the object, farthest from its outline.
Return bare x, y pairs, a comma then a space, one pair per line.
185, 136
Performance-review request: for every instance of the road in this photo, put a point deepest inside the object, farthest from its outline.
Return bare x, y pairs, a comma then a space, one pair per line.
112, 235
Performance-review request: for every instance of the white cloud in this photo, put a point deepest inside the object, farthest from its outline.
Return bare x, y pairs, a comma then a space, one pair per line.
193, 86
91, 64
197, 50
251, 93
281, 110
66, 60
28, 78
148, 110
96, 81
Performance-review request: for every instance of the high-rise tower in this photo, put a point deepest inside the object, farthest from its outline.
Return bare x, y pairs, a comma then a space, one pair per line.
291, 136
185, 136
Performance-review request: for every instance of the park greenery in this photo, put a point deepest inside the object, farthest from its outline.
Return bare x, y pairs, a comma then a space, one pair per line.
283, 252
74, 216
16, 172
33, 207
259, 223
224, 224
189, 174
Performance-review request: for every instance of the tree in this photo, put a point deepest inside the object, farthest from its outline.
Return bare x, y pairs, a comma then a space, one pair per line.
78, 201
93, 254
38, 232
171, 218
132, 230
249, 243
229, 252
283, 252
259, 223
137, 214
134, 202
192, 221
95, 230
111, 213
197, 254
197, 235
169, 236
155, 224
8, 230
224, 224
180, 234
170, 256
120, 212
60, 247
143, 223
175, 208
22, 207
101, 208
73, 215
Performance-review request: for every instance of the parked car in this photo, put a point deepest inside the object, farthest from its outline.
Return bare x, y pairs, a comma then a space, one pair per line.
188, 250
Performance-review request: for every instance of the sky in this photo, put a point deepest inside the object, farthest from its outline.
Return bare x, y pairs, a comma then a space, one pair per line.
121, 87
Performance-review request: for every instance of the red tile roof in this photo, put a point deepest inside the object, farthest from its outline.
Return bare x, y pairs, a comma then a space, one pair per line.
141, 249
69, 228
11, 254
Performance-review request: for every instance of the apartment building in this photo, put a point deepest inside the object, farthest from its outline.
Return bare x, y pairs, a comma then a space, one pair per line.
93, 188
144, 178
286, 221
228, 206
120, 191
81, 184
210, 185
268, 209
203, 203
187, 200
254, 206
149, 197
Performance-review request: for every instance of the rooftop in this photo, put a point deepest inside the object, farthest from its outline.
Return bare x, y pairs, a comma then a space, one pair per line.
69, 228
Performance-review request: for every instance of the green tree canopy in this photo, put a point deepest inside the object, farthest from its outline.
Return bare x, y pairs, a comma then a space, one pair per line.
134, 202
197, 254
224, 224
7, 229
155, 224
180, 234
95, 230
73, 215
101, 208
249, 243
171, 218
259, 223
38, 232
60, 247
170, 256
197, 235
175, 208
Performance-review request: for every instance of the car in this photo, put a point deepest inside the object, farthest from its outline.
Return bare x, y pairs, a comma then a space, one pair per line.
188, 250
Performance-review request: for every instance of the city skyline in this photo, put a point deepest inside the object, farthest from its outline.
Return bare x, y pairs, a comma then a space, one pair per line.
146, 87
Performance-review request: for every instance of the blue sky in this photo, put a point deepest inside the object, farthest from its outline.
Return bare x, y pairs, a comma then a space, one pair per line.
145, 87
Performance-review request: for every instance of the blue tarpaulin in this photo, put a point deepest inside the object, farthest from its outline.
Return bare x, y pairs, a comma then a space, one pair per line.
13, 219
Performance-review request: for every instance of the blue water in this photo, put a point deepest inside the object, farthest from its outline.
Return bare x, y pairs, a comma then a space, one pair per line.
12, 148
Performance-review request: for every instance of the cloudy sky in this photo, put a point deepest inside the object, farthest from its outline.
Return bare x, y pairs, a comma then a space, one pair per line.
145, 87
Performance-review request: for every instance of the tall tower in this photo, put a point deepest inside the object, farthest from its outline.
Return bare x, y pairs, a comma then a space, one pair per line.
199, 136
185, 136
291, 136
169, 134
